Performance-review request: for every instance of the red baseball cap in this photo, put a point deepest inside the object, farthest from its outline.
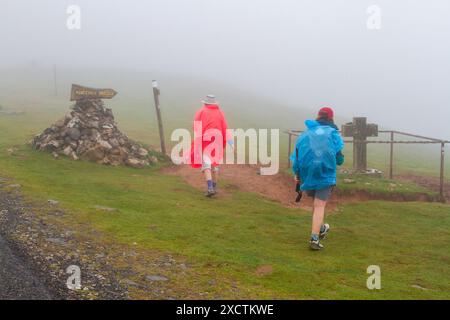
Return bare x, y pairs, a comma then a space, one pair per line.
328, 111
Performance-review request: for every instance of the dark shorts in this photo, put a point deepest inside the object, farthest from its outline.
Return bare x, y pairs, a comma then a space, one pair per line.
321, 194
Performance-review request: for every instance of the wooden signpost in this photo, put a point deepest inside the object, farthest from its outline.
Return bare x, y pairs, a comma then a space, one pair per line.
79, 92
359, 129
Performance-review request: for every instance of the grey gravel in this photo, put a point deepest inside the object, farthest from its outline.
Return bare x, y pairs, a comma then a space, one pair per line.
156, 278
18, 281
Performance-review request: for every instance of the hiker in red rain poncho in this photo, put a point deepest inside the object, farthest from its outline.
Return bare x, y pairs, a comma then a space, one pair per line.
210, 139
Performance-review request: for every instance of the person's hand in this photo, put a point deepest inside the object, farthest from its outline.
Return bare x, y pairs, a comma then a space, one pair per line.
296, 179
340, 158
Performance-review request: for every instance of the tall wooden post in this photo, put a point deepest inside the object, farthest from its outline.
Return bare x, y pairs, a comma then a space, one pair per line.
156, 93
289, 149
359, 145
441, 182
391, 157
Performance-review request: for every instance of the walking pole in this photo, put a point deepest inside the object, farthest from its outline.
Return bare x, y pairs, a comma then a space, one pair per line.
156, 93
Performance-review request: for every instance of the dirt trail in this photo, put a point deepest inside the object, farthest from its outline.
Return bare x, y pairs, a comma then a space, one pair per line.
280, 187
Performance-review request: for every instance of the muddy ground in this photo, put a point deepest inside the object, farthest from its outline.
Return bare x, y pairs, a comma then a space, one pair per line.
281, 187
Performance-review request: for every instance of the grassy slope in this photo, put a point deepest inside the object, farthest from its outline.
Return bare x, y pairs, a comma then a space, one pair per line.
237, 234
240, 233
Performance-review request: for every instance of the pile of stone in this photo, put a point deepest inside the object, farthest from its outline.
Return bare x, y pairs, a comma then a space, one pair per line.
90, 132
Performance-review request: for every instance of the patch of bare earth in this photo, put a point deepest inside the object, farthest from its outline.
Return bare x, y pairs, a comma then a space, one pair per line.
265, 270
279, 187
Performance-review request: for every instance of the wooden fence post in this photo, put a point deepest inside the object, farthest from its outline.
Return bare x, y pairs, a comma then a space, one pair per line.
158, 115
391, 157
289, 148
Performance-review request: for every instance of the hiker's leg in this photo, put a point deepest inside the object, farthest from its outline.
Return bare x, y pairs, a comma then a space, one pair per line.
215, 176
209, 181
317, 220
206, 169
207, 174
322, 196
318, 215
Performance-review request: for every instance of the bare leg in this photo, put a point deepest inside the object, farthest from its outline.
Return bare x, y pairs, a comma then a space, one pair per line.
215, 176
318, 215
207, 173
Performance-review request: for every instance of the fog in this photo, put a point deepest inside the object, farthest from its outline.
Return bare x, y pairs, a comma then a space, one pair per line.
304, 54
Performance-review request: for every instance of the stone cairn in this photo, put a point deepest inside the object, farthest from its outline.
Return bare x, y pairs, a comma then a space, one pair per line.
90, 132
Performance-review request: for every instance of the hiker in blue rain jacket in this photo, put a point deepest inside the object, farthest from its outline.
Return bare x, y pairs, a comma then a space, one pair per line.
317, 152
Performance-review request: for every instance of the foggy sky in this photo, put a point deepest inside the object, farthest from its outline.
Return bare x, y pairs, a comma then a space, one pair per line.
302, 53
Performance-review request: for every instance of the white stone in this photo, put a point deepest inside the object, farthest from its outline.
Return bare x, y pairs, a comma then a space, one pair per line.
67, 151
104, 144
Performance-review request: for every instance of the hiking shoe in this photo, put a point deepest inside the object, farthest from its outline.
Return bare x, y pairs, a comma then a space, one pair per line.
210, 193
315, 245
326, 229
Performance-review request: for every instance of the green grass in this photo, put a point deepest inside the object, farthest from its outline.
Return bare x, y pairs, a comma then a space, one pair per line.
379, 187
408, 241
233, 235
351, 183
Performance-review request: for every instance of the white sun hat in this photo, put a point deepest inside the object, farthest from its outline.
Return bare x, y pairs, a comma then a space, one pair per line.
210, 99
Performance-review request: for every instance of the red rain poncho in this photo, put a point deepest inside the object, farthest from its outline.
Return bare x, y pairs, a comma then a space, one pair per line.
209, 124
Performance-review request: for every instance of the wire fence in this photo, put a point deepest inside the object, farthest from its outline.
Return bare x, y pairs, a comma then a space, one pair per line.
391, 141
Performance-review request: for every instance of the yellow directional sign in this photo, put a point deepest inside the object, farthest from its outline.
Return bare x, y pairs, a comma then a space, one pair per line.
80, 92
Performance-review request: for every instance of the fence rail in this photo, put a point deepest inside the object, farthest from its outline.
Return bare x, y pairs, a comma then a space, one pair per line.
392, 141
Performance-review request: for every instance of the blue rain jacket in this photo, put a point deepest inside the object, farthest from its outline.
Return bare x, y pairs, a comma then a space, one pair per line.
314, 157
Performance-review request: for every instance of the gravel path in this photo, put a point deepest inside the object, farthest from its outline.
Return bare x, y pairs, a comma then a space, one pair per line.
35, 252
17, 280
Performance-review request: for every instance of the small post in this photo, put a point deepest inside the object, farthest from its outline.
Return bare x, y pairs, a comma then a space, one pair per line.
54, 79
156, 93
441, 185
391, 157
289, 148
